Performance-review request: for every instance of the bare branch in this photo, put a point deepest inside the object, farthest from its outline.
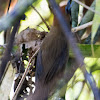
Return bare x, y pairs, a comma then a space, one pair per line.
72, 42
41, 17
87, 18
87, 7
23, 77
6, 57
75, 29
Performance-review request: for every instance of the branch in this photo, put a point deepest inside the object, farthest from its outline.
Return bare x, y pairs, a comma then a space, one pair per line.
87, 7
41, 17
6, 57
23, 77
78, 28
72, 42
87, 18
17, 12
67, 32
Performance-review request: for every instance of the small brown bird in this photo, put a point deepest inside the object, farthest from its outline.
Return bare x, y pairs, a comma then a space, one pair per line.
51, 61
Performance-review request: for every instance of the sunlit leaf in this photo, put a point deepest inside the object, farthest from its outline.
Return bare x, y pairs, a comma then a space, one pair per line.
96, 76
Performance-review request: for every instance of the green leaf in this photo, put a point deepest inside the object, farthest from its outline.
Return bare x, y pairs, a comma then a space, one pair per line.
96, 20
87, 52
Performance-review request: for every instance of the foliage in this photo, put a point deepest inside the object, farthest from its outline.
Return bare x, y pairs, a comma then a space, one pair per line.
28, 41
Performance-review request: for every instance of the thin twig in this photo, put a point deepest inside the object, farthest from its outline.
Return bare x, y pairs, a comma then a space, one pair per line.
78, 28
41, 27
87, 7
23, 77
41, 17
6, 56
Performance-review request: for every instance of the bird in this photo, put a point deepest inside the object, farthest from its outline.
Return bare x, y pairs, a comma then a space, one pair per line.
51, 61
